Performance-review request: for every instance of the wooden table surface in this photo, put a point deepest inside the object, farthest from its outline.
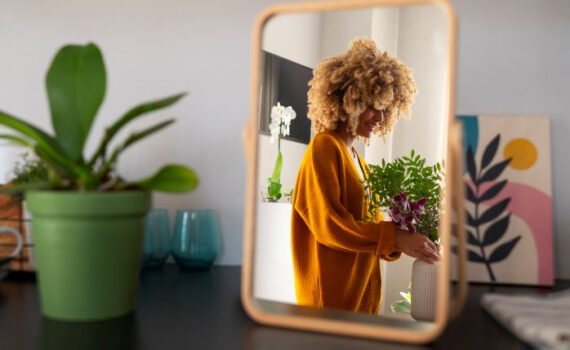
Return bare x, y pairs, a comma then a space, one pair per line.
202, 310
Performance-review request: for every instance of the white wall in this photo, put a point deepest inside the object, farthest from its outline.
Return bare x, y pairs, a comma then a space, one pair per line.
295, 37
422, 45
9, 155
514, 59
340, 27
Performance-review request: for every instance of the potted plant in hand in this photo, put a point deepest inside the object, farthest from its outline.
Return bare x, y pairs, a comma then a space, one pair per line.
411, 193
87, 220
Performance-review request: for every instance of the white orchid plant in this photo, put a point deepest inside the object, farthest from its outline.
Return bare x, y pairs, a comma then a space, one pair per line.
279, 127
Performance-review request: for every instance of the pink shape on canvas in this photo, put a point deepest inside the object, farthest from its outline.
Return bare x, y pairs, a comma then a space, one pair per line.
534, 207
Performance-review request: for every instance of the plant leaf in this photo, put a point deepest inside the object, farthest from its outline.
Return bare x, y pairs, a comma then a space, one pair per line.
470, 195
495, 231
490, 152
139, 135
52, 163
493, 191
470, 220
274, 190
134, 138
471, 239
131, 115
494, 211
503, 251
21, 188
47, 143
277, 169
75, 84
495, 171
402, 306
471, 165
474, 257
171, 178
20, 141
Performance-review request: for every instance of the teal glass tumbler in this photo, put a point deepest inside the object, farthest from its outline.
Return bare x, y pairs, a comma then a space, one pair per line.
156, 248
195, 242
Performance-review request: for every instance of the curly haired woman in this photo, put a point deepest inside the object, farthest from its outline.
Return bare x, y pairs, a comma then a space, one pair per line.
335, 253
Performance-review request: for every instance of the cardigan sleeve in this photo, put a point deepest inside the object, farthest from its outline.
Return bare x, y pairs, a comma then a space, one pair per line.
327, 218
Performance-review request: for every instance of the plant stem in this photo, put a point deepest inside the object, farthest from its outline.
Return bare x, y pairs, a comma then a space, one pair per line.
487, 264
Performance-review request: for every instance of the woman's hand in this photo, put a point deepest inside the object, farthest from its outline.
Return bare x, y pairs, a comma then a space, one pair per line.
417, 246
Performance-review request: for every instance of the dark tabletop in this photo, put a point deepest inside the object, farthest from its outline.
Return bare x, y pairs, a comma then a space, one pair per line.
202, 310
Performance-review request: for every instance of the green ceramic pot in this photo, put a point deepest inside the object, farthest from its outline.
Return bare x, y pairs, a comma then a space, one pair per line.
88, 251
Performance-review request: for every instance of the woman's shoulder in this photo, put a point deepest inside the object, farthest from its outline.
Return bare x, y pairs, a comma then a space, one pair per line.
326, 139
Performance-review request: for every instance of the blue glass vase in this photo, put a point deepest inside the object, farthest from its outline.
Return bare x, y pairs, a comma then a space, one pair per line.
156, 246
195, 240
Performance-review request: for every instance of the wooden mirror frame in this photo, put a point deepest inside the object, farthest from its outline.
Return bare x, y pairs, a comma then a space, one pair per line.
337, 321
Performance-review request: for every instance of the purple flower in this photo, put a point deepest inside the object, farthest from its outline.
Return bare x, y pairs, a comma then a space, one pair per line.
400, 197
417, 215
422, 201
411, 228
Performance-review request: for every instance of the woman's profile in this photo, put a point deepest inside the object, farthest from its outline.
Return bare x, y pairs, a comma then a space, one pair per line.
335, 252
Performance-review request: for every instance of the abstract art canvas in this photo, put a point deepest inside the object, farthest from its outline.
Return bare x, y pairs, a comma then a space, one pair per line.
508, 199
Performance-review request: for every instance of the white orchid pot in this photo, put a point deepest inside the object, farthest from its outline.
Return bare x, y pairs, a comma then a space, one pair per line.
424, 290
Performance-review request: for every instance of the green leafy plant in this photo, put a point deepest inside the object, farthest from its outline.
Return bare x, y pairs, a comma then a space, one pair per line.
403, 305
29, 169
76, 85
410, 191
274, 182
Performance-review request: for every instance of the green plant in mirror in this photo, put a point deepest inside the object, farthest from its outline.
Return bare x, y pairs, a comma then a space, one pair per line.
403, 305
279, 127
408, 190
75, 85
274, 186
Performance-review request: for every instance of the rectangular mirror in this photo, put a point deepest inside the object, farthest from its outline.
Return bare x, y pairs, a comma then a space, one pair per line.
351, 106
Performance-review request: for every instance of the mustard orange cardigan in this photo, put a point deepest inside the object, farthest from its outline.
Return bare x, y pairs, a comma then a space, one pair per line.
335, 253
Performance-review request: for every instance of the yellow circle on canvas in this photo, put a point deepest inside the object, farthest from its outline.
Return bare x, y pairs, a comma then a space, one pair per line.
523, 152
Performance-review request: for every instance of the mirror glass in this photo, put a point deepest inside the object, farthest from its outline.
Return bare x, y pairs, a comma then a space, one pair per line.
339, 268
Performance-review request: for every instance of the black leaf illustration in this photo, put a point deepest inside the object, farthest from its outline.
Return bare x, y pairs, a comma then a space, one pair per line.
470, 195
471, 165
493, 191
496, 231
490, 151
471, 239
493, 212
495, 171
503, 251
474, 257
470, 220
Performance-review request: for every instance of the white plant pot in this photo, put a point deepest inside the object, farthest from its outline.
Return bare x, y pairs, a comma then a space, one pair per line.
424, 290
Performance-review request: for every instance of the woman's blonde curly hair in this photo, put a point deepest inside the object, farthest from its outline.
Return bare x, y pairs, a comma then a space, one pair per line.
344, 86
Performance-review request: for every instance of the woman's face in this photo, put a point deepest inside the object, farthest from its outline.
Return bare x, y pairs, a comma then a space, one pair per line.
368, 121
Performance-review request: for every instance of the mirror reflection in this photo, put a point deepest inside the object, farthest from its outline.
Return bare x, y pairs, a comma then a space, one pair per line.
352, 138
